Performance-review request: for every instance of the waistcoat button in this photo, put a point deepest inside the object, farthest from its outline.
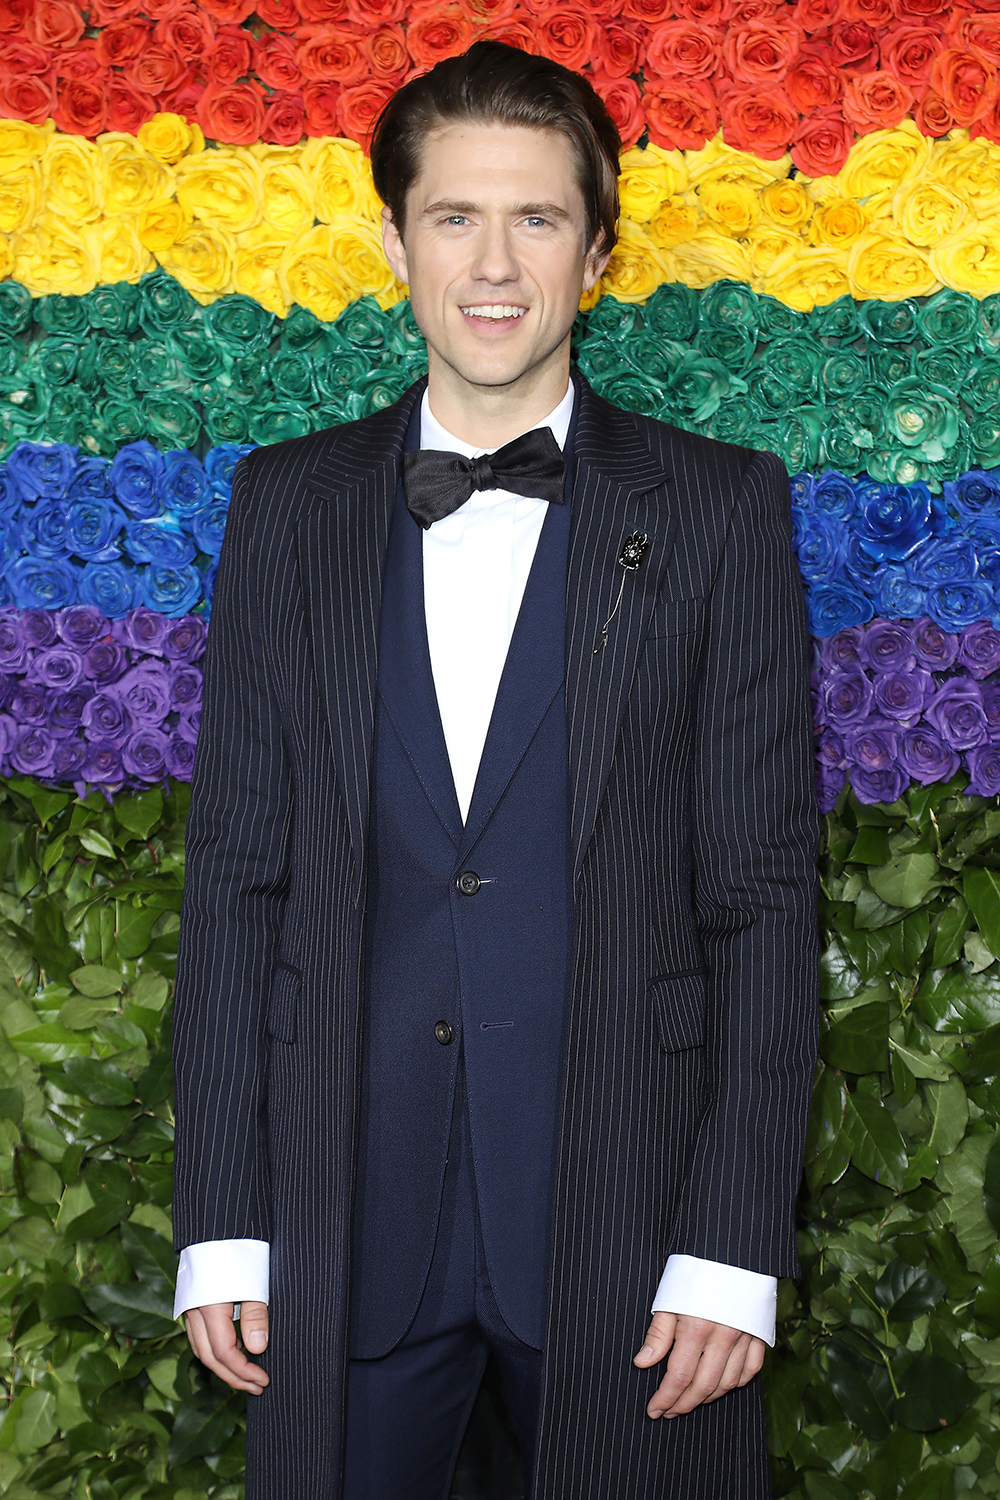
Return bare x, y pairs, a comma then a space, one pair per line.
444, 1031
468, 882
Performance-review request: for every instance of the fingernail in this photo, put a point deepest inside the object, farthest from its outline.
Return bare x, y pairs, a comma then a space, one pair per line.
644, 1352
257, 1340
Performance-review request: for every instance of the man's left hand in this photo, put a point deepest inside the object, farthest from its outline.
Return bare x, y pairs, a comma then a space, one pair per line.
706, 1360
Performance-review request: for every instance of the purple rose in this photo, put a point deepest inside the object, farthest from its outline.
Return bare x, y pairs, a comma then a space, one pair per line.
81, 625
847, 696
57, 667
8, 687
141, 629
104, 662
68, 758
8, 733
179, 758
956, 712
66, 709
143, 753
925, 756
886, 785
830, 750
872, 746
936, 648
984, 770
979, 649
185, 685
13, 648
103, 765
145, 690
991, 708
887, 646
37, 627
844, 648
187, 724
901, 695
30, 703
185, 639
105, 717
828, 784
32, 750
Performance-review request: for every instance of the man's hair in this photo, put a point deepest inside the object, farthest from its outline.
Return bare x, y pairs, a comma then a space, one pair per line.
493, 83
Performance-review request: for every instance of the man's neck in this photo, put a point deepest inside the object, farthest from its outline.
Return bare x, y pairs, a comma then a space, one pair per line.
488, 416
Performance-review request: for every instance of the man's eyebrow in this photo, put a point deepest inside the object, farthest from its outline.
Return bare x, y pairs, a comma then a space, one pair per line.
456, 206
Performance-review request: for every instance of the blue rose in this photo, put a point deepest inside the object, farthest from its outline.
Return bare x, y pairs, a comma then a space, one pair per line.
955, 605
896, 596
220, 463
42, 470
943, 561
108, 586
159, 541
820, 546
92, 480
895, 519
44, 529
833, 494
171, 591
208, 583
835, 605
135, 477
975, 494
91, 528
208, 526
860, 568
801, 486
40, 583
183, 486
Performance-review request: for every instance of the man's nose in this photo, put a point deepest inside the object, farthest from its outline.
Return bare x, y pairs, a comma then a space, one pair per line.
495, 260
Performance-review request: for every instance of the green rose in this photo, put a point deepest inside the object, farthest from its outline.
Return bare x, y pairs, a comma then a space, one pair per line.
16, 307
13, 355
612, 319
949, 317
108, 364
798, 438
897, 466
981, 386
115, 423
240, 324
890, 366
988, 324
303, 331
249, 379
838, 320
844, 447
164, 305
200, 357
923, 418
171, 420
363, 324
672, 311
403, 337
942, 366
115, 307
20, 424
735, 422
984, 439
341, 369
280, 421
728, 302
733, 344
844, 373
890, 322
158, 368
795, 364
292, 376
227, 422
53, 360
697, 388
863, 415
63, 315
381, 390
629, 389
67, 416
777, 319
602, 359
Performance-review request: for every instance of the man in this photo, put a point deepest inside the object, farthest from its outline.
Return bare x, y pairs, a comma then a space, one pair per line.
495, 1013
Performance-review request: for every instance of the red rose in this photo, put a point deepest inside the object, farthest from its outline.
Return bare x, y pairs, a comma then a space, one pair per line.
128, 107
761, 121
815, 16
320, 103
516, 34
184, 96
283, 14
908, 51
14, 13
385, 52
323, 54
876, 12
359, 107
276, 62
103, 12
320, 12
620, 51
232, 112
812, 82
161, 10
745, 11
760, 52
27, 97
854, 45
445, 33
122, 41
876, 101
712, 12
648, 12
567, 37
491, 13
367, 14
989, 125
821, 143
967, 85
920, 9
81, 61
157, 71
229, 12
624, 104
284, 120
55, 23
979, 34
18, 56
682, 115
188, 35
682, 49
932, 116
81, 106
232, 56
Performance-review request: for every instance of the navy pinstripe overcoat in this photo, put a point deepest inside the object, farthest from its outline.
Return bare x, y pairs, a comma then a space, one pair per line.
690, 1036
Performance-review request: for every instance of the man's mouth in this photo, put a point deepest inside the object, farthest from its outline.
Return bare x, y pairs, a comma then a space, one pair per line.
495, 311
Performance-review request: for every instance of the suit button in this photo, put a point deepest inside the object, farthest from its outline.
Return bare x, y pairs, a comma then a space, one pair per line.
444, 1031
468, 882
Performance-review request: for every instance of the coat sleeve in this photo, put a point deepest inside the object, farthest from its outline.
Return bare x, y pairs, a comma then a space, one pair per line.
755, 890
236, 878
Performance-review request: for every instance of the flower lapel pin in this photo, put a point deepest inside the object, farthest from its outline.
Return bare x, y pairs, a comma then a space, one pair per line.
630, 558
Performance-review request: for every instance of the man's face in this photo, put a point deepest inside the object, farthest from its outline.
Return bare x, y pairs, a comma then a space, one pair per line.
495, 255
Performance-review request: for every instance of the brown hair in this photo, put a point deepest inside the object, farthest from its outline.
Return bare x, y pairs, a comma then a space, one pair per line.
495, 83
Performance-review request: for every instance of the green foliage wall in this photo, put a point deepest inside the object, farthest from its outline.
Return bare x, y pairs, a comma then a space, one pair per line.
889, 1351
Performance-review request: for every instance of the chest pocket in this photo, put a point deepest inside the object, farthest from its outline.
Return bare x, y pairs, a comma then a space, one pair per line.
283, 1005
676, 616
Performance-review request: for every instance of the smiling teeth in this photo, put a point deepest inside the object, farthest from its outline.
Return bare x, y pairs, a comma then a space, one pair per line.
498, 310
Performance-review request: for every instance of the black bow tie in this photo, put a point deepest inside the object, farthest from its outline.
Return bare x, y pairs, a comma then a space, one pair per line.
436, 483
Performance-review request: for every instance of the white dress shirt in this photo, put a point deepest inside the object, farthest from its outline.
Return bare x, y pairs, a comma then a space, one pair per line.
476, 564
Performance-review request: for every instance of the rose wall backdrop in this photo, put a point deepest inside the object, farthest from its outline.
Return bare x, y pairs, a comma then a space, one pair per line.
809, 262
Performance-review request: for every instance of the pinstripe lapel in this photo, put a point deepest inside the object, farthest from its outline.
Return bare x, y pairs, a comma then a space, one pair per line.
342, 542
619, 486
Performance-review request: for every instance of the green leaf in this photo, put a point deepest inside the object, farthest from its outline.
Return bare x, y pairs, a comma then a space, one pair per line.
99, 1081
921, 1064
949, 933
991, 1186
908, 940
985, 1059
141, 813
200, 1429
871, 847
981, 888
141, 1309
839, 978
961, 1179
47, 803
862, 1389
32, 1418
906, 1292
949, 1109
859, 1042
988, 1298
80, 1014
96, 981
96, 843
50, 1043
870, 911
132, 935
935, 1392
907, 880
879, 1151
151, 1256
151, 991
955, 999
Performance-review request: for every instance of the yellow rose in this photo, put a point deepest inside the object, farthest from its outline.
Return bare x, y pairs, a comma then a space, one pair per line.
133, 178
223, 188
646, 178
838, 222
20, 196
54, 256
201, 258
20, 141
884, 265
676, 221
341, 180
258, 256
590, 299
787, 203
168, 137
710, 256
734, 205
122, 255
289, 205
806, 277
766, 243
716, 162
636, 266
969, 260
927, 211
879, 162
310, 275
161, 223
971, 168
357, 246
73, 172
6, 258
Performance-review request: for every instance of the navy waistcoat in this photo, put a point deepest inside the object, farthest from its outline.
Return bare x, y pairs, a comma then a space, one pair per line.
487, 954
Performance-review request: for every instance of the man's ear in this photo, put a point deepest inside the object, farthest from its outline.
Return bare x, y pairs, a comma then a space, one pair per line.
593, 267
392, 242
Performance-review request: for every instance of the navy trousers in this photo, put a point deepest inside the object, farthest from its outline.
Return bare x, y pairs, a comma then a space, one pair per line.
407, 1412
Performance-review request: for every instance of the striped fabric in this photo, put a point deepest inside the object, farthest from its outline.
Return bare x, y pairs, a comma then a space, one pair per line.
691, 1029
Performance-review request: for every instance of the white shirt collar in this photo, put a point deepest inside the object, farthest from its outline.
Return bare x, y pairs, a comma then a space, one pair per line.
434, 435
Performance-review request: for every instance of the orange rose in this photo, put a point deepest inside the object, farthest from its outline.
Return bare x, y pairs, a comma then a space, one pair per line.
712, 12
326, 54
921, 9
908, 52
232, 11
979, 34
123, 41
128, 107
233, 113
159, 10
102, 12
854, 45
877, 13
745, 11
567, 37
761, 52
320, 103
232, 56
876, 101
55, 23
516, 34
184, 97
815, 16
18, 57
682, 49
81, 61
157, 71
14, 13
445, 33
359, 107
367, 14
323, 11
812, 82
932, 116
81, 106
967, 85
647, 12
276, 63
821, 143
283, 15
385, 52
284, 120
760, 121
989, 125
188, 35
681, 115
620, 50
27, 97
624, 104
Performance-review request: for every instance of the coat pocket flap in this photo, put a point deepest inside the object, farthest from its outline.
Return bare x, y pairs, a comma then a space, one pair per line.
283, 1006
680, 1001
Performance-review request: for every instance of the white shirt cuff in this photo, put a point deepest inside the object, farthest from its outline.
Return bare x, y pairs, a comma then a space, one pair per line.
726, 1294
222, 1271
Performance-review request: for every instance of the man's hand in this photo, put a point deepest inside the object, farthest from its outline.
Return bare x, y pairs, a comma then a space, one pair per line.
707, 1360
212, 1335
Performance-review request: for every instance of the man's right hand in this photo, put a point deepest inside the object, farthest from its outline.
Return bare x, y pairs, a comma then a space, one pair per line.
212, 1335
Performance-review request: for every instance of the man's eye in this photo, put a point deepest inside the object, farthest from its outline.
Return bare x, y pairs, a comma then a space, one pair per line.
453, 217
537, 219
